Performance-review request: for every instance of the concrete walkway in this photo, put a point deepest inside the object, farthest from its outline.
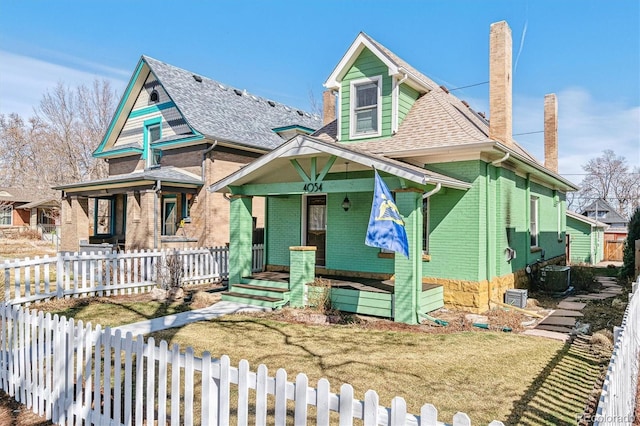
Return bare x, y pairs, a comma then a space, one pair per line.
178, 320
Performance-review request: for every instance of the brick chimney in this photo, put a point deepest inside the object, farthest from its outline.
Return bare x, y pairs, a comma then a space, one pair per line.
551, 132
328, 107
500, 97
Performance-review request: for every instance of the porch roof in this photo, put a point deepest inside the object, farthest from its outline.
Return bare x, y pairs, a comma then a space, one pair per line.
44, 203
121, 183
275, 166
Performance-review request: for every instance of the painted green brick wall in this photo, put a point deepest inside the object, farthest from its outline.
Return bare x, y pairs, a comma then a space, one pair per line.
406, 99
367, 65
455, 226
346, 232
470, 230
581, 240
283, 228
511, 220
551, 238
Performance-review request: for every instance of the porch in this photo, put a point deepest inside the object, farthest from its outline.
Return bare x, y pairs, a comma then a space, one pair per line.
358, 295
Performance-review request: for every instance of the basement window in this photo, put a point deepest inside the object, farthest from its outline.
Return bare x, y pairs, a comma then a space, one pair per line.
366, 111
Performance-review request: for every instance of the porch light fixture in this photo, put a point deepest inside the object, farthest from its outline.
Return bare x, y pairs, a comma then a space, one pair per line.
346, 204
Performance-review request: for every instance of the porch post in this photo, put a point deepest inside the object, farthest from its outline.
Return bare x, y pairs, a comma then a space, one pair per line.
408, 272
240, 238
75, 222
302, 272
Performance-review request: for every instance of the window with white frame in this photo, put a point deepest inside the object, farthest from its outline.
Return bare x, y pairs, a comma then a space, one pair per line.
366, 100
534, 224
6, 215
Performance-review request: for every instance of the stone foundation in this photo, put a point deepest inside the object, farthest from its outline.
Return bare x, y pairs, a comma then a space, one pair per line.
473, 296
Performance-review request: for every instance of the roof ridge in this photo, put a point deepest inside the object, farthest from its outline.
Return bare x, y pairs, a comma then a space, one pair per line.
225, 86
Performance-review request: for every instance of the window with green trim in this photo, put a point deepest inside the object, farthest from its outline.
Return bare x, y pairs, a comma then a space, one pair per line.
154, 133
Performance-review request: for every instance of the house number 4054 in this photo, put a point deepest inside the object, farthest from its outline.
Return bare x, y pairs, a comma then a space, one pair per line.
312, 187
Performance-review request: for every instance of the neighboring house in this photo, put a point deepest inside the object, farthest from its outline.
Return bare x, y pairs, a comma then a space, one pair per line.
22, 208
477, 207
173, 134
586, 239
603, 212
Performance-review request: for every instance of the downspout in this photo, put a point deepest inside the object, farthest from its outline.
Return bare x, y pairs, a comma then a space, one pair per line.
156, 190
395, 110
419, 289
489, 247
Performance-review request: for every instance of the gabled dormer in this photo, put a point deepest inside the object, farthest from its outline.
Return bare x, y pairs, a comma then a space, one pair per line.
376, 90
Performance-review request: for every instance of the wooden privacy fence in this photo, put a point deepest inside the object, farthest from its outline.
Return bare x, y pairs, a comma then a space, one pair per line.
104, 274
74, 374
613, 250
618, 398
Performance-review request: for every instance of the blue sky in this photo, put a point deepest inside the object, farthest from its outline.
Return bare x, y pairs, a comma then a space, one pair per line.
587, 52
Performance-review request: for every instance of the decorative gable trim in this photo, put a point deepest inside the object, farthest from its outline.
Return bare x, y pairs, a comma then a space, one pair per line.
133, 82
361, 41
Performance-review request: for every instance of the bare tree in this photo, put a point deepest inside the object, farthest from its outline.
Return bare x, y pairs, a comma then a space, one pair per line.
608, 177
56, 145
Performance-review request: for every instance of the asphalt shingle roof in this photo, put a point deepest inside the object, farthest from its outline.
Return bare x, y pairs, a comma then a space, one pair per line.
437, 119
24, 195
612, 217
226, 113
164, 174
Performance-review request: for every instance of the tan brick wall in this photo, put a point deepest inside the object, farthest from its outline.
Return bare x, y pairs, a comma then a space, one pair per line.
75, 223
551, 132
210, 212
120, 166
328, 107
500, 83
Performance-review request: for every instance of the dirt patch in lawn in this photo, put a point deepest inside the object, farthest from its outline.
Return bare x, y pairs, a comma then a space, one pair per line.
12, 413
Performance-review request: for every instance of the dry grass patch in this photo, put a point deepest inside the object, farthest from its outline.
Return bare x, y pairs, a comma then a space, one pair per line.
21, 248
481, 373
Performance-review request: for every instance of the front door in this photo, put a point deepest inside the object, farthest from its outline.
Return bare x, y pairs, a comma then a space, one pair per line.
317, 226
169, 217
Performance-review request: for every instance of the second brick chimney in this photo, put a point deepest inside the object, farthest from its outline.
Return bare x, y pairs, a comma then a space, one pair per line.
500, 85
551, 132
328, 107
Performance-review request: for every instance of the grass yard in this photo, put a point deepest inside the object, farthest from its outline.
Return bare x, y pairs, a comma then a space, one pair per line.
485, 374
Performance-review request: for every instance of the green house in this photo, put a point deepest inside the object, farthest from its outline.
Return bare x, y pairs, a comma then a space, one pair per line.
477, 207
586, 238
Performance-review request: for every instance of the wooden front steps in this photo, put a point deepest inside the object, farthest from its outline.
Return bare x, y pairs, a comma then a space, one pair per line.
269, 294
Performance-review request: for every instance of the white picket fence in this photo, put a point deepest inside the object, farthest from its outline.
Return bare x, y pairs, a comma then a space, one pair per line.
104, 274
74, 374
618, 398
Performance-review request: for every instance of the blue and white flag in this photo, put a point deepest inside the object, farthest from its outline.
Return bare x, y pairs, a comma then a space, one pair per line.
386, 227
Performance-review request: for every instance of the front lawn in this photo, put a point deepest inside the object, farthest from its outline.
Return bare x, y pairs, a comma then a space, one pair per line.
485, 374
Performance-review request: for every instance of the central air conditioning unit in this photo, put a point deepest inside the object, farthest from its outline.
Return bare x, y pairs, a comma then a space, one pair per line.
516, 297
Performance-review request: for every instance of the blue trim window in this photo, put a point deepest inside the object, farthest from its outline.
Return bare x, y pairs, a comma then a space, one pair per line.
152, 133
